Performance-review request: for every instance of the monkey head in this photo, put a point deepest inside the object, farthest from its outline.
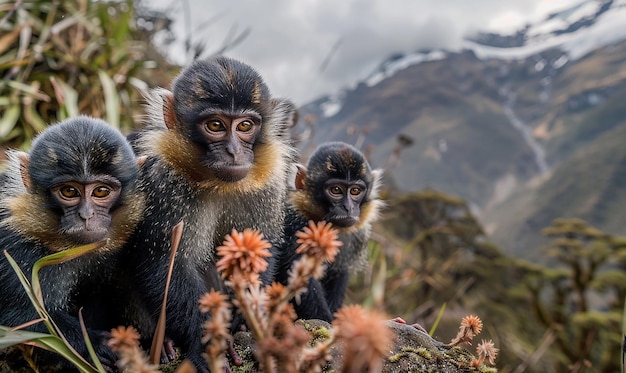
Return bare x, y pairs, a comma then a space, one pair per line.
221, 105
77, 174
337, 186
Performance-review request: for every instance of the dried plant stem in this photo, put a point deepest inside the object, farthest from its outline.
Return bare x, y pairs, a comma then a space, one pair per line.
253, 320
253, 317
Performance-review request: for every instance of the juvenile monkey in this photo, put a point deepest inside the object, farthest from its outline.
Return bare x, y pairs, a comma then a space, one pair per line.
77, 186
337, 186
218, 159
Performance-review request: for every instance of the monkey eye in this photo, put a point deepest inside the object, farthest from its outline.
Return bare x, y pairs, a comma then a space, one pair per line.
356, 191
69, 191
336, 190
244, 126
101, 192
214, 125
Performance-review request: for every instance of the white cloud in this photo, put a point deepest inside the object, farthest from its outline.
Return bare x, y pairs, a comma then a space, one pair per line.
290, 40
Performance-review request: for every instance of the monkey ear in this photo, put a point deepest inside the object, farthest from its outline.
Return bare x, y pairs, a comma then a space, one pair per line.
168, 109
300, 177
377, 176
141, 160
286, 113
24, 163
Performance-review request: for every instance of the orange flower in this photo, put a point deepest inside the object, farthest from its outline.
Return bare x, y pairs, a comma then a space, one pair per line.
212, 301
365, 335
276, 291
123, 337
470, 326
318, 240
243, 252
125, 342
487, 351
473, 323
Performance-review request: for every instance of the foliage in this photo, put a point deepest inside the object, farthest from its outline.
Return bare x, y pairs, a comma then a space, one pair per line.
429, 255
55, 341
580, 301
63, 58
576, 298
442, 243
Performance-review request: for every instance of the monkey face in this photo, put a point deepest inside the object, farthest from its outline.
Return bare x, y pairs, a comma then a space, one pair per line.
86, 208
228, 141
220, 104
344, 199
335, 186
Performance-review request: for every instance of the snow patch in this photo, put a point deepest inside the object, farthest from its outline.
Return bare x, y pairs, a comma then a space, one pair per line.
562, 20
540, 65
560, 62
608, 29
331, 106
402, 63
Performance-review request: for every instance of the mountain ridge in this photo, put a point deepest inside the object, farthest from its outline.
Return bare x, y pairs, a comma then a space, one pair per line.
498, 132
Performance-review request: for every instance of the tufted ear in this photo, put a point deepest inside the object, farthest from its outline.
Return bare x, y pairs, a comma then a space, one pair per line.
377, 176
284, 115
300, 181
24, 163
169, 117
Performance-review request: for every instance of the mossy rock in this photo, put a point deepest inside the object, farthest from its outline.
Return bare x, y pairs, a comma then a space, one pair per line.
413, 351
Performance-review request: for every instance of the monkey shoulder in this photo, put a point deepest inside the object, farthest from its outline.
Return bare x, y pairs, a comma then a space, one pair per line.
294, 221
352, 254
170, 199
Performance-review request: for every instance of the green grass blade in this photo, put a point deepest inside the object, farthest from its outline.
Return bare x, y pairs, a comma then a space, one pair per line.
9, 120
68, 99
27, 286
433, 328
111, 99
57, 258
10, 337
92, 352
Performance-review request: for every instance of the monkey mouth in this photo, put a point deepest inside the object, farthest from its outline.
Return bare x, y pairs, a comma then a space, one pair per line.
83, 236
231, 173
343, 221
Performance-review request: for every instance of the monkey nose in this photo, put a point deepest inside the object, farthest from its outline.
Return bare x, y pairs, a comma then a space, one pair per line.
86, 212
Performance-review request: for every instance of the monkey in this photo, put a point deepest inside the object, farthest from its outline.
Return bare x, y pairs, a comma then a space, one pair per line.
76, 186
218, 159
336, 186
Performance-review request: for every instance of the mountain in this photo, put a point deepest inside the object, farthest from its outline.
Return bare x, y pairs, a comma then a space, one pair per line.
527, 127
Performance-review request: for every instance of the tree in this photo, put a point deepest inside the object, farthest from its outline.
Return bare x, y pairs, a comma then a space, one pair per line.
580, 300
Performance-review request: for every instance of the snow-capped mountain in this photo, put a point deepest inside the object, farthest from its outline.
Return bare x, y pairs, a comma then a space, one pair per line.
527, 126
574, 31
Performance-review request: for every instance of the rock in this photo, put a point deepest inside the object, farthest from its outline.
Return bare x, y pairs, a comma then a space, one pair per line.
413, 351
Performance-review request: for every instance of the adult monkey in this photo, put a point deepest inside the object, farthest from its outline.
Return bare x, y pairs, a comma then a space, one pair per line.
336, 186
218, 159
77, 186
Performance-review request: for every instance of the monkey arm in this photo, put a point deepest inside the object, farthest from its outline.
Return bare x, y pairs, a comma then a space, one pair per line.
313, 303
334, 283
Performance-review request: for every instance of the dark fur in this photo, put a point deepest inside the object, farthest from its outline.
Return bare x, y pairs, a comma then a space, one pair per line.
179, 187
330, 160
77, 149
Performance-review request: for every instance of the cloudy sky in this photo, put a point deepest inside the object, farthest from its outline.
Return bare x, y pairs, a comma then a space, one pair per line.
307, 48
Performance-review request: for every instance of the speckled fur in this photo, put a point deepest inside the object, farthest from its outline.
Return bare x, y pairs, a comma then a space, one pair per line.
29, 229
178, 189
324, 297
